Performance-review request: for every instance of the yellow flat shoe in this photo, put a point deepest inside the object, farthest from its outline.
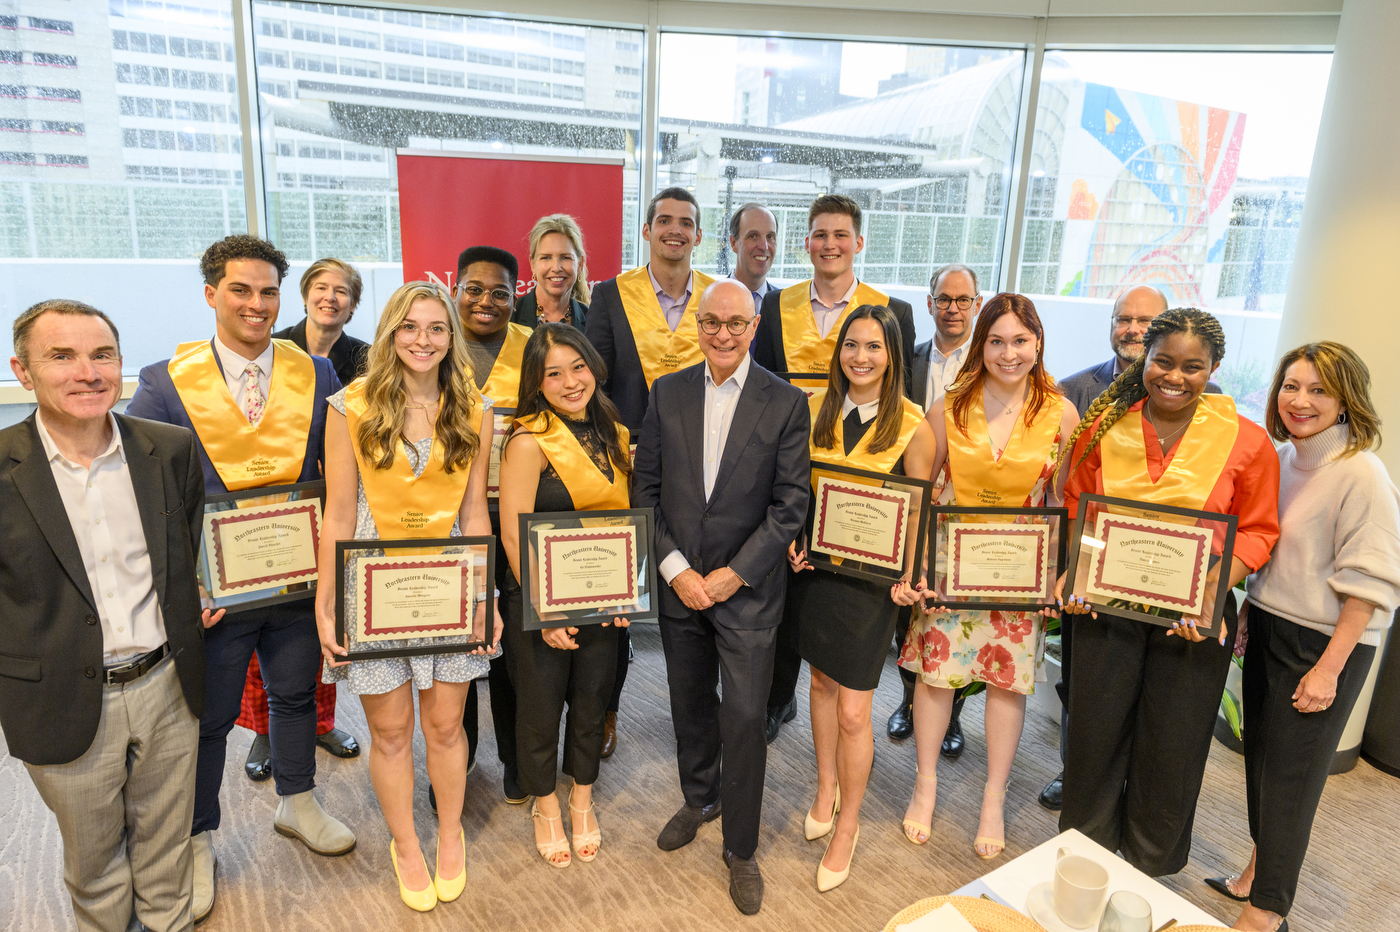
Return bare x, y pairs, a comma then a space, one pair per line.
449, 890
420, 900
814, 829
828, 879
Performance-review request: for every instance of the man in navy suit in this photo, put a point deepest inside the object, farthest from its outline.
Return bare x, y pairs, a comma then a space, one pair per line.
724, 460
249, 436
753, 236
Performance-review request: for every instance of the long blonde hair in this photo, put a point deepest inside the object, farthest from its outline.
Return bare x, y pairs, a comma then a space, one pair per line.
382, 426
567, 227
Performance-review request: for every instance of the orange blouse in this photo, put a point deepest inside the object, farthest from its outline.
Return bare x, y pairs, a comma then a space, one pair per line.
1247, 487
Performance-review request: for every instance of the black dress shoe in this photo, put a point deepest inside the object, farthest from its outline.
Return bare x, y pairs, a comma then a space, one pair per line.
778, 714
680, 831
340, 743
901, 723
953, 738
745, 883
258, 766
510, 785
1222, 885
1053, 796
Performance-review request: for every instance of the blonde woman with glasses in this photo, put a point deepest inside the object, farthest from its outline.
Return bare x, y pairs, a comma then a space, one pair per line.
408, 437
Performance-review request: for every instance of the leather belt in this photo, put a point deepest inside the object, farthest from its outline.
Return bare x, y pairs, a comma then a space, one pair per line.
136, 668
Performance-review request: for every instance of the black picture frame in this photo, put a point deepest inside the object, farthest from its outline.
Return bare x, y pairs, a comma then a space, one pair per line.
483, 550
1223, 528
916, 525
498, 444
1056, 558
647, 598
268, 595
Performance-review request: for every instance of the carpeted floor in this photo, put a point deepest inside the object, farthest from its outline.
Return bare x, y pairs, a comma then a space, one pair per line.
267, 882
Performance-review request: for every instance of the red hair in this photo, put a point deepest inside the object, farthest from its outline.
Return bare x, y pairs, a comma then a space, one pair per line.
974, 372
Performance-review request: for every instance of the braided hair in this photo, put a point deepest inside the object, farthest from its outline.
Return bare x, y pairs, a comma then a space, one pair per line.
1128, 389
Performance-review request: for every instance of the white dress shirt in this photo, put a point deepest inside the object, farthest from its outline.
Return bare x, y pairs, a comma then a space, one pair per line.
101, 506
827, 315
672, 308
943, 371
236, 372
867, 410
720, 403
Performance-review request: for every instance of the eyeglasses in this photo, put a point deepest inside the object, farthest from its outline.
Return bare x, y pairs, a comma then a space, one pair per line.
1143, 322
408, 331
711, 325
943, 302
499, 296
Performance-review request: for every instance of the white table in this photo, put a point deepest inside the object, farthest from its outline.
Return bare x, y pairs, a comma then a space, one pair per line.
1012, 882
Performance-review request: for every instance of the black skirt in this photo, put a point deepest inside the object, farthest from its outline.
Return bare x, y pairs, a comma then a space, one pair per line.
845, 625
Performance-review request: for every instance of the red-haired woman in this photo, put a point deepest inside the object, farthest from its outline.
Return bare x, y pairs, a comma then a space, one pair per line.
1000, 432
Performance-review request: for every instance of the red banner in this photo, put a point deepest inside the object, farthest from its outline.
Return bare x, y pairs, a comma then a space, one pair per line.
449, 201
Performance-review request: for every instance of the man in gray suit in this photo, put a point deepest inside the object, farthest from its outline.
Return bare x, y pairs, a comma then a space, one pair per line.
102, 669
753, 235
723, 459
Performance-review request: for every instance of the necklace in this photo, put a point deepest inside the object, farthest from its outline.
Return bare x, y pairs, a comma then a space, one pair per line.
1166, 441
422, 407
1001, 401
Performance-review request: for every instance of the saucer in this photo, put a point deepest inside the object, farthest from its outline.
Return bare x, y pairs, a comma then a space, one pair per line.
1040, 903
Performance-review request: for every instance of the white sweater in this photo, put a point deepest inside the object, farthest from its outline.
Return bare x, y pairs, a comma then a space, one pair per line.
1339, 519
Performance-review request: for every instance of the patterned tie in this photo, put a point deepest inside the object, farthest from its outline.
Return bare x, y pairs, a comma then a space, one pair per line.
253, 394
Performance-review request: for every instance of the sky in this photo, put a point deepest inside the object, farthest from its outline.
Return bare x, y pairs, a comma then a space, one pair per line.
1282, 93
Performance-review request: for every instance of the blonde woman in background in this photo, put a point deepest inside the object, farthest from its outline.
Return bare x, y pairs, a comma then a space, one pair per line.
408, 437
559, 267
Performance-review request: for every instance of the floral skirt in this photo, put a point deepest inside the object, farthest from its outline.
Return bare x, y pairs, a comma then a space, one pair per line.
950, 651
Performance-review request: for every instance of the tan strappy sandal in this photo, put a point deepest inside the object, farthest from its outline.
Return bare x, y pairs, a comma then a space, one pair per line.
911, 828
587, 839
551, 849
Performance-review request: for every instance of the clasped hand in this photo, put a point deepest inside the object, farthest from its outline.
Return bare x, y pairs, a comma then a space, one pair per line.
702, 592
563, 638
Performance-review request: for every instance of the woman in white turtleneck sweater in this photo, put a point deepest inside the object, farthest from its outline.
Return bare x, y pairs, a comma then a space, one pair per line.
1317, 612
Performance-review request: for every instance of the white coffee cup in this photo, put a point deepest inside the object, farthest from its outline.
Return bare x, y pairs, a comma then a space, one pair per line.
1080, 889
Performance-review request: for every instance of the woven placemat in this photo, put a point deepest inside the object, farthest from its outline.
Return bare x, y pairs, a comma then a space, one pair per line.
985, 915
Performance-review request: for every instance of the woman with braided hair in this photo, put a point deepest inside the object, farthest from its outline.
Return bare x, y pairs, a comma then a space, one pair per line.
1143, 699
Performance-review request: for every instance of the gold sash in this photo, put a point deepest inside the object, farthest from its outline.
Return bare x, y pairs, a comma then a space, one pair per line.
503, 384
589, 488
245, 456
660, 349
978, 479
405, 505
860, 456
804, 348
1195, 467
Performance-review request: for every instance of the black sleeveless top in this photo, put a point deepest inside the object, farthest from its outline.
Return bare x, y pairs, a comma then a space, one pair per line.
552, 494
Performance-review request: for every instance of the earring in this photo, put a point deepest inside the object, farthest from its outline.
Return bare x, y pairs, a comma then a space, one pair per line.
1342, 418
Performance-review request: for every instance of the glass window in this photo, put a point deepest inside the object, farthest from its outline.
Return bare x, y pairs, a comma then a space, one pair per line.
329, 142
125, 177
921, 137
1185, 171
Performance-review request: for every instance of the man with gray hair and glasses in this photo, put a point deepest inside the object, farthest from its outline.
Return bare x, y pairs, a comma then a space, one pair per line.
102, 668
1133, 312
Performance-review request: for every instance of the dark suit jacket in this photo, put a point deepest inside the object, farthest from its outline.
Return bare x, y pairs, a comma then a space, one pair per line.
527, 312
157, 400
759, 503
918, 389
50, 638
349, 356
610, 333
1087, 384
768, 349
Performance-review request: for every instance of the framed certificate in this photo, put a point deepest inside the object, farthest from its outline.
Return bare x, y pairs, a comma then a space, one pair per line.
866, 524
409, 598
586, 567
504, 418
809, 382
996, 559
1155, 563
259, 546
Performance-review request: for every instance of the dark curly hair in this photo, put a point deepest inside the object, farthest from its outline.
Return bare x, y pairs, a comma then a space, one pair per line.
242, 246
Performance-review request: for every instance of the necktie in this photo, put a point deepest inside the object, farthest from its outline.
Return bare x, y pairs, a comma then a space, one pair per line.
253, 394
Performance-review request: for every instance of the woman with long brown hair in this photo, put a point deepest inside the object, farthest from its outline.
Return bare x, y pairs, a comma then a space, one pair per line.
845, 624
406, 438
566, 452
1000, 432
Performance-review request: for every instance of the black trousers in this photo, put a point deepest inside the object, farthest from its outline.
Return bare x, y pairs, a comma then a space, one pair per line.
1062, 687
1142, 714
700, 655
545, 678
787, 664
624, 641
1287, 753
502, 692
